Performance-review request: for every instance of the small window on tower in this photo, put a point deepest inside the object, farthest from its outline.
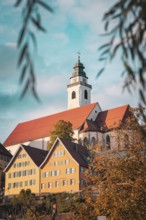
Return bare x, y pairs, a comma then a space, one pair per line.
85, 94
73, 95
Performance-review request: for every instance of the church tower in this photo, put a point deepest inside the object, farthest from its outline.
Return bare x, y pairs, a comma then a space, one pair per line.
79, 91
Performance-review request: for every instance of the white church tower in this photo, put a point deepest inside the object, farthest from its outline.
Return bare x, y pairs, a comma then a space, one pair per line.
79, 91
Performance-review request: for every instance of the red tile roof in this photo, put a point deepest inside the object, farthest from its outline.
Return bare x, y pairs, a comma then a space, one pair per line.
41, 127
112, 118
89, 126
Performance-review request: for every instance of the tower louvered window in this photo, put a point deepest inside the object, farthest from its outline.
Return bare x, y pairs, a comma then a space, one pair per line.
73, 95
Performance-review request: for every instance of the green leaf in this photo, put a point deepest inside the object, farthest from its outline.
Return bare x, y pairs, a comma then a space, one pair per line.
44, 5
32, 74
21, 35
35, 94
129, 69
37, 24
141, 77
17, 3
100, 72
22, 54
142, 96
26, 87
104, 46
23, 72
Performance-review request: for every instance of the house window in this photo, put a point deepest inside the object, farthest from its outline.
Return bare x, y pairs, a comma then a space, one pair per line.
66, 161
108, 144
9, 186
43, 186
64, 182
85, 94
52, 173
50, 185
72, 182
55, 163
67, 171
26, 183
93, 141
82, 170
57, 184
73, 95
70, 170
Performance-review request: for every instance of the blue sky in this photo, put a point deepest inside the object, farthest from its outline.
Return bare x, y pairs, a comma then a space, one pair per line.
75, 26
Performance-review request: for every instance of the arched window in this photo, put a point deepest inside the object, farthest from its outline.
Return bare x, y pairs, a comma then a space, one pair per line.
126, 140
73, 95
85, 94
108, 142
85, 141
93, 141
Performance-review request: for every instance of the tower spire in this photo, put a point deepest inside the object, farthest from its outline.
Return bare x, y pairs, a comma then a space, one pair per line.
79, 91
78, 56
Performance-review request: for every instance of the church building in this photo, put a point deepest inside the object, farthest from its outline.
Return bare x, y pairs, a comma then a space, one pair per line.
91, 125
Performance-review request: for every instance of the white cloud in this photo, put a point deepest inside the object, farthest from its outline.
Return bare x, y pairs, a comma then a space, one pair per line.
11, 44
51, 84
61, 37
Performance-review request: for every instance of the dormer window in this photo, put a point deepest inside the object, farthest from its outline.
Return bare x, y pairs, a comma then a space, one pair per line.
73, 95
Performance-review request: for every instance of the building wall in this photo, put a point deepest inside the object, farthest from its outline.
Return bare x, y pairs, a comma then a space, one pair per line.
41, 143
4, 160
79, 100
23, 174
94, 113
60, 173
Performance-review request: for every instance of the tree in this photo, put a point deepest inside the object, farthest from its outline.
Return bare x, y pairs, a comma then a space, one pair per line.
31, 20
125, 25
117, 180
62, 129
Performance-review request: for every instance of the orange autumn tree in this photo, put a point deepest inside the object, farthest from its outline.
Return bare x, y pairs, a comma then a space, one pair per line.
116, 179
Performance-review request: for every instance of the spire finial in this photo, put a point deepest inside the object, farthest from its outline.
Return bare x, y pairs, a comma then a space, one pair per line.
78, 56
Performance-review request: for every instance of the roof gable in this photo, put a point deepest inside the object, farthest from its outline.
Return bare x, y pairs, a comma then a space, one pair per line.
77, 152
89, 125
36, 155
41, 127
112, 118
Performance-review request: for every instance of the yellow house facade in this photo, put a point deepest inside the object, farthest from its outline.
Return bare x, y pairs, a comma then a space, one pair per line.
23, 171
59, 170
63, 168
